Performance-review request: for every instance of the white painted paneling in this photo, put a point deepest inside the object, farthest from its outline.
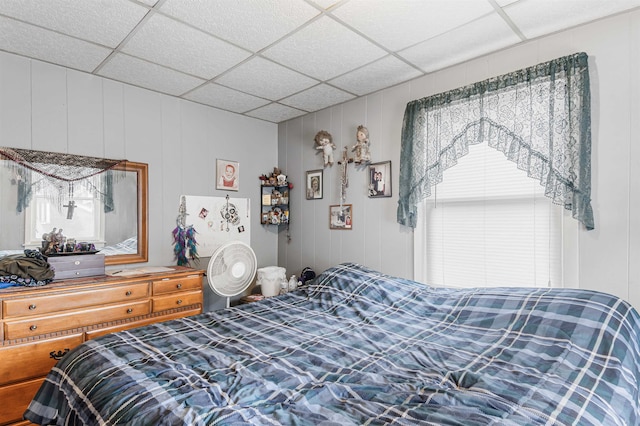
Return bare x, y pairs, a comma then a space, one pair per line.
311, 211
15, 101
172, 176
49, 107
604, 251
374, 236
634, 162
290, 162
85, 114
354, 241
323, 235
113, 120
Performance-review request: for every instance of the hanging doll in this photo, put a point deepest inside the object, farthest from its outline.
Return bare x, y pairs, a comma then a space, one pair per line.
184, 237
361, 148
324, 142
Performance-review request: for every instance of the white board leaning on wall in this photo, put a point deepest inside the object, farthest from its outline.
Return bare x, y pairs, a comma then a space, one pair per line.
218, 220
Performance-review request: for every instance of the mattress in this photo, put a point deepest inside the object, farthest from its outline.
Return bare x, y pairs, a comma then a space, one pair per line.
354, 347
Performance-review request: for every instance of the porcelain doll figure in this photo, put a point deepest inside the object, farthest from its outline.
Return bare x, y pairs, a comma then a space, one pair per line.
361, 148
324, 141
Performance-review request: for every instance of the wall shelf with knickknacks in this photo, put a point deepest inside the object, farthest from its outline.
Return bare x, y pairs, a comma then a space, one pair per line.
274, 195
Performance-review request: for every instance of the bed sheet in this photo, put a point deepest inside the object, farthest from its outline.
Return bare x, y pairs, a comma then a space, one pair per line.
356, 347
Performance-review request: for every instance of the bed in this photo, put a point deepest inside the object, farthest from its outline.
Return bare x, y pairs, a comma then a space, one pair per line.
355, 347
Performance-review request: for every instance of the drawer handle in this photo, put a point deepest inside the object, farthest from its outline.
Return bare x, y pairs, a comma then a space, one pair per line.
179, 286
32, 307
129, 310
128, 293
179, 301
58, 355
33, 327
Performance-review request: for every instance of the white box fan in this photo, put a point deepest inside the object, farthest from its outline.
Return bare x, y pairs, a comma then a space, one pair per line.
231, 269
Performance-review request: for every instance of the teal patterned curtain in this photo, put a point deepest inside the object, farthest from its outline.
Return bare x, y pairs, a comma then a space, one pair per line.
539, 117
56, 173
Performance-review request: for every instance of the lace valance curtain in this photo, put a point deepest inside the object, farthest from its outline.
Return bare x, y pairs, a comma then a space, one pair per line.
55, 174
539, 117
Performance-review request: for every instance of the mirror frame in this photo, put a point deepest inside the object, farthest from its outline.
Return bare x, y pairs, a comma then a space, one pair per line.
142, 171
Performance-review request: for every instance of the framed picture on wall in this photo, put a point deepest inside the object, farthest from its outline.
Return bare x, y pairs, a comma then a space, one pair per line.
341, 216
314, 184
380, 179
227, 175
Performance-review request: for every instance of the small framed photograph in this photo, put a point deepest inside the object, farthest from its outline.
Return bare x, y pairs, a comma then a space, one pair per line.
380, 179
314, 184
227, 175
341, 217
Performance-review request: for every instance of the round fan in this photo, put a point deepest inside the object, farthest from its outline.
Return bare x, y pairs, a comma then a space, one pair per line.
231, 269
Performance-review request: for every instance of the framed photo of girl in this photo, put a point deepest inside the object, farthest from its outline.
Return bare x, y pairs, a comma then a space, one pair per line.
380, 179
314, 184
227, 175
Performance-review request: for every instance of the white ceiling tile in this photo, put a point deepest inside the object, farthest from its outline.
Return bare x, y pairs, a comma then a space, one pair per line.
538, 17
399, 24
317, 98
386, 72
276, 113
326, 4
103, 22
247, 23
225, 98
167, 42
140, 73
469, 41
266, 79
48, 46
148, 2
324, 49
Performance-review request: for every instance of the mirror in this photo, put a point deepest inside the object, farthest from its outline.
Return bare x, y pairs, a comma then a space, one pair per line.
137, 175
124, 237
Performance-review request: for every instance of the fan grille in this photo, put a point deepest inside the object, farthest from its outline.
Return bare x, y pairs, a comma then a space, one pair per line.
231, 268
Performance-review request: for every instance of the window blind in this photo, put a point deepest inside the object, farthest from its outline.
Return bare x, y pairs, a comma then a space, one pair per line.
489, 224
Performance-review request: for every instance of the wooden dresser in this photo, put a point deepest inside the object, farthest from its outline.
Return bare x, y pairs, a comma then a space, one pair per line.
40, 325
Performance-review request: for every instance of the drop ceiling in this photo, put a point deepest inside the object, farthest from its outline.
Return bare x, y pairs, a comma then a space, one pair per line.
278, 59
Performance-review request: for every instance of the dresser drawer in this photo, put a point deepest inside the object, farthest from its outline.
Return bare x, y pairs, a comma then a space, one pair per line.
38, 305
171, 285
16, 398
92, 334
177, 300
34, 359
26, 327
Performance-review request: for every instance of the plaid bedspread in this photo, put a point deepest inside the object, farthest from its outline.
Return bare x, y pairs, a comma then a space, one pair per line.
357, 347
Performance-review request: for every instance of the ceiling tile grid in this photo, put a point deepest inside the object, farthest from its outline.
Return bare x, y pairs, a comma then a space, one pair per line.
224, 98
102, 22
317, 98
168, 42
266, 79
145, 74
278, 59
49, 46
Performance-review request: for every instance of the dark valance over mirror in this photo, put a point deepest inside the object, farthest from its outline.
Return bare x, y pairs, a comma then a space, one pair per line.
89, 201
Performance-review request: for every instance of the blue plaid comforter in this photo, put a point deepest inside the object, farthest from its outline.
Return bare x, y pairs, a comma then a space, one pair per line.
357, 347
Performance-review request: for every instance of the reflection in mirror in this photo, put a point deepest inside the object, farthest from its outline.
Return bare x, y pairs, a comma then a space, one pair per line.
120, 233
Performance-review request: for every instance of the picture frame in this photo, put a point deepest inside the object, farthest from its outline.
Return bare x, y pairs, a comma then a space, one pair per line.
227, 175
341, 216
314, 184
379, 179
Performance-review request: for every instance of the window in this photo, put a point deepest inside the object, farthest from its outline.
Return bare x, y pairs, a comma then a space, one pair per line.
86, 225
489, 224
